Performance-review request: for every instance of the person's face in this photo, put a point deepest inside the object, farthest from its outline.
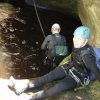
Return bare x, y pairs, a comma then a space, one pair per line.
79, 42
55, 30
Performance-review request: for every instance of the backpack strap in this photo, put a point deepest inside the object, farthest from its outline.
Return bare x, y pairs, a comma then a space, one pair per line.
54, 39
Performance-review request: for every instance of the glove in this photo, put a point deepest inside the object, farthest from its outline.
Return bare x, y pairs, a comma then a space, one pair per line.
18, 85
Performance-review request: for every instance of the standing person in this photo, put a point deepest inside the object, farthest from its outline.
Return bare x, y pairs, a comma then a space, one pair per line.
55, 46
72, 74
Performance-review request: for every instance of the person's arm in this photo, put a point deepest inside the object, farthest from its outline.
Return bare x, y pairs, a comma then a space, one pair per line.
45, 42
90, 63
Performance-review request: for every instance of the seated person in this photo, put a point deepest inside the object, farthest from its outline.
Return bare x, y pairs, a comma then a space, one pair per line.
74, 73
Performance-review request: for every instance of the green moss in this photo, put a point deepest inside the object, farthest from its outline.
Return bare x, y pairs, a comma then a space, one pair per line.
94, 90
66, 59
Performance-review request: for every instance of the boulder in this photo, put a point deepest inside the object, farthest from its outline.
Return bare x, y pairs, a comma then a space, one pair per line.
89, 13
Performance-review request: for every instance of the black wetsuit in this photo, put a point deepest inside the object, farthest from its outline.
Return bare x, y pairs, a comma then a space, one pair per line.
83, 62
48, 44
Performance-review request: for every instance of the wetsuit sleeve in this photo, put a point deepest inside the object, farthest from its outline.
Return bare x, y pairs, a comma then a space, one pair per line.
90, 63
45, 42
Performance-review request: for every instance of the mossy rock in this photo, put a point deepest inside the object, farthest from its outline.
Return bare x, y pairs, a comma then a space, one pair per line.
65, 60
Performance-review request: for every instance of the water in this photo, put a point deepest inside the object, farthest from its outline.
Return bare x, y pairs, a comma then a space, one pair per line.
23, 39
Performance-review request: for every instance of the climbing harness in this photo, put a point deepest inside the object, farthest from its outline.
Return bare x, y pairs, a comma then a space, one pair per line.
38, 18
72, 72
86, 80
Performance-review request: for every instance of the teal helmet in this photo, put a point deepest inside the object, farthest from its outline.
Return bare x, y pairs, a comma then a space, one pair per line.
82, 32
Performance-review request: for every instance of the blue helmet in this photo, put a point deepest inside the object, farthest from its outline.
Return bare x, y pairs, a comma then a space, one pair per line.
82, 32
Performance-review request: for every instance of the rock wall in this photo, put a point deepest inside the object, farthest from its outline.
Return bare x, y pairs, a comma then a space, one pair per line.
6, 10
89, 14
64, 6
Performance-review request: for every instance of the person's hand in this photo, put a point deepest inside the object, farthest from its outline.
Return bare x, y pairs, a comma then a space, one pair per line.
18, 86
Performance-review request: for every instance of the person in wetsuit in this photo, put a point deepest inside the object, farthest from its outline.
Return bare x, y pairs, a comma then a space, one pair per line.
72, 74
48, 46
